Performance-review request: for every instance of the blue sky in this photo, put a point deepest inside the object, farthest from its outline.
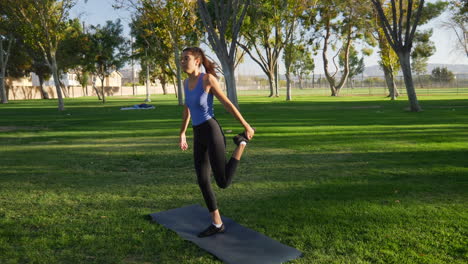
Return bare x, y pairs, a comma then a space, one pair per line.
99, 11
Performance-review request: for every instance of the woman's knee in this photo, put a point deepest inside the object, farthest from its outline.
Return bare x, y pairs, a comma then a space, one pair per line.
222, 183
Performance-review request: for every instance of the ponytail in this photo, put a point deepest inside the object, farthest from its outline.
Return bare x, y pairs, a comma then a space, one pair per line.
210, 67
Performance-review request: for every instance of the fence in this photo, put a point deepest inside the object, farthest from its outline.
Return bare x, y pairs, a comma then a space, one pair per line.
255, 85
362, 85
25, 92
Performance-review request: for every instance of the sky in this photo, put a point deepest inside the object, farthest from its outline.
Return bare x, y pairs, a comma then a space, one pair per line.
99, 11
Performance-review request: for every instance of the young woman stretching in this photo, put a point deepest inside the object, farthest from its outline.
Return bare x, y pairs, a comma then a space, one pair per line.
209, 142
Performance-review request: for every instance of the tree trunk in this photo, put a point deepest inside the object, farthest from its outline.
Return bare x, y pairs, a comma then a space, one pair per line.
420, 82
3, 63
180, 96
335, 89
163, 86
2, 87
64, 89
84, 86
97, 92
390, 81
102, 90
44, 93
405, 63
271, 78
147, 78
53, 68
276, 81
175, 87
95, 88
331, 80
230, 80
288, 86
85, 89
217, 38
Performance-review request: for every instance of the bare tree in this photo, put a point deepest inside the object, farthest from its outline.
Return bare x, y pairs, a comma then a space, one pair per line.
227, 21
458, 23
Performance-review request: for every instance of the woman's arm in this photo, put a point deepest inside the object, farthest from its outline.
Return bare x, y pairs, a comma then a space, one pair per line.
185, 121
212, 85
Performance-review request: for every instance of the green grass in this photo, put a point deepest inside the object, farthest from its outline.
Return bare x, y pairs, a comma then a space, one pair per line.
344, 180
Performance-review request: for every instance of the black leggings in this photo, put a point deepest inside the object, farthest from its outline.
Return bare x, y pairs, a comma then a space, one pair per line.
209, 147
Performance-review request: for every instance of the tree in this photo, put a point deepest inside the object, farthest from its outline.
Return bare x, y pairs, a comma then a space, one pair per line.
263, 33
40, 68
343, 22
145, 42
389, 61
19, 63
110, 50
161, 26
458, 23
302, 62
222, 26
42, 23
356, 64
164, 75
400, 29
6, 42
293, 39
423, 49
442, 75
5, 51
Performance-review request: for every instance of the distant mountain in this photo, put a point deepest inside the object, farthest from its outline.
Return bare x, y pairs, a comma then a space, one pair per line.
455, 68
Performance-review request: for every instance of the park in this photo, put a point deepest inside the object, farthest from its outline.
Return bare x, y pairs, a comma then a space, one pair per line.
351, 172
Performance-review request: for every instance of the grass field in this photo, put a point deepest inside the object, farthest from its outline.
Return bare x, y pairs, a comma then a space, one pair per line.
344, 180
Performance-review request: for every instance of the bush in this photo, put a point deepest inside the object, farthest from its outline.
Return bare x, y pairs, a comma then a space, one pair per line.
442, 75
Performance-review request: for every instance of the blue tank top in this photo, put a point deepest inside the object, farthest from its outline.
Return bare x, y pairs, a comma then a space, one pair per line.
199, 102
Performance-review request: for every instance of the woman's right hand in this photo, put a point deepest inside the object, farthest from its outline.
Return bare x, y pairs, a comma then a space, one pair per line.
183, 142
249, 132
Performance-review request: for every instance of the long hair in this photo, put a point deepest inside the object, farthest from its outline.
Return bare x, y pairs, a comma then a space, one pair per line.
207, 64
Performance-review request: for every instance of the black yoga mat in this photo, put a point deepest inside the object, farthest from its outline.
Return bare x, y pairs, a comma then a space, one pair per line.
238, 245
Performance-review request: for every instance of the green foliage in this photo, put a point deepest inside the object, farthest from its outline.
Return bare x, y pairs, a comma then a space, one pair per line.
153, 46
356, 64
109, 48
74, 51
432, 10
161, 30
302, 61
19, 62
262, 32
41, 23
424, 48
442, 74
460, 7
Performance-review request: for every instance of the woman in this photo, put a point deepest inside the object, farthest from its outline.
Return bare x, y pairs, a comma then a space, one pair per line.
209, 142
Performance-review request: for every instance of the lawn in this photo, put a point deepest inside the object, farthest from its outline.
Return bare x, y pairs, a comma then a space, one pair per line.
344, 180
